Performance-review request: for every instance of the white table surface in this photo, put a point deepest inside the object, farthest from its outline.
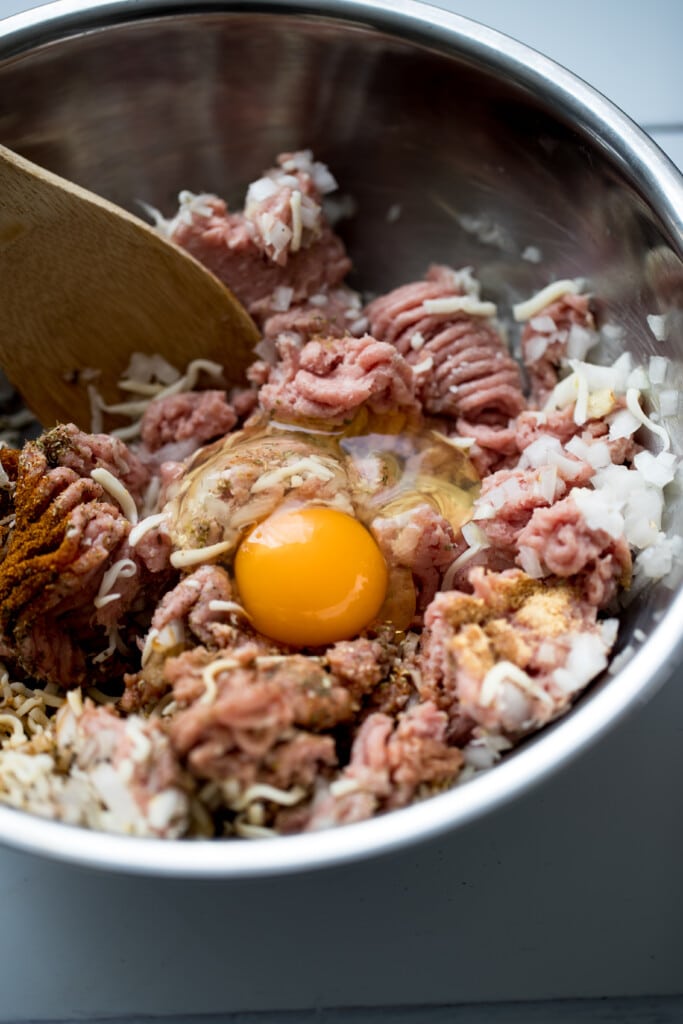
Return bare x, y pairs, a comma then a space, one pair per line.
573, 893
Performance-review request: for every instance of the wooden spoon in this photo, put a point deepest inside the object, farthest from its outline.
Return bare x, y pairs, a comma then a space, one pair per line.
84, 285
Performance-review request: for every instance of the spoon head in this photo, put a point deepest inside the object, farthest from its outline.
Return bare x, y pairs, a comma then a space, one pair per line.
84, 285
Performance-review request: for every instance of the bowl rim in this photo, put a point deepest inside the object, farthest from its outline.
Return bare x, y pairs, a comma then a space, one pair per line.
642, 162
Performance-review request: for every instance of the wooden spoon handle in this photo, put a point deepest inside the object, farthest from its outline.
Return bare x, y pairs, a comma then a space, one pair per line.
84, 285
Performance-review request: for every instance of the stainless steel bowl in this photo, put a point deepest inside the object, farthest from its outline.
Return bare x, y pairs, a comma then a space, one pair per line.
484, 145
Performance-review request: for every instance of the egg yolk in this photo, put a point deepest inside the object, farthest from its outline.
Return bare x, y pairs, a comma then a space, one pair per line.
310, 576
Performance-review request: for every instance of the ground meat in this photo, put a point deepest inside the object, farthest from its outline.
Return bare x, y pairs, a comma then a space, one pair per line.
9, 469
66, 445
392, 695
197, 415
331, 379
283, 207
185, 617
545, 473
498, 657
125, 586
468, 371
545, 338
494, 447
329, 314
530, 426
66, 535
391, 761
417, 754
327, 810
244, 401
566, 546
507, 501
259, 704
296, 761
391, 686
154, 549
360, 664
490, 558
422, 540
513, 495
130, 765
256, 252
190, 602
224, 244
74, 592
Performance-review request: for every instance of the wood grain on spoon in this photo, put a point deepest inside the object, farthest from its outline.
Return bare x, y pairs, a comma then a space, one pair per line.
84, 285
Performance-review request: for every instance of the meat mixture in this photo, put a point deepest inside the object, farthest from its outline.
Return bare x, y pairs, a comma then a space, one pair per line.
349, 585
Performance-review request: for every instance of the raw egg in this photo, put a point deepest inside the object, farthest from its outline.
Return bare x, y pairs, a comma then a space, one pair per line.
310, 575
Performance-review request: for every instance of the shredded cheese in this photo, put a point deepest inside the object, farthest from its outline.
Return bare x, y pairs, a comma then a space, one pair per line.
159, 640
124, 567
228, 606
468, 304
210, 673
136, 409
531, 307
140, 387
507, 672
195, 556
144, 526
117, 491
297, 225
14, 728
307, 466
344, 787
262, 791
423, 367
106, 599
246, 831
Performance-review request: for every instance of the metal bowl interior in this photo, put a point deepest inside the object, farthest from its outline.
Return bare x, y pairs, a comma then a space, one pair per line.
485, 148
